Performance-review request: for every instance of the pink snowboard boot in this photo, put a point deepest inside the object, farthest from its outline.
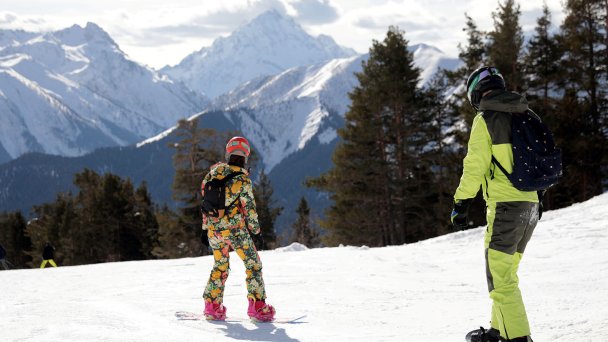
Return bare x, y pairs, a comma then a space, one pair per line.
260, 311
215, 311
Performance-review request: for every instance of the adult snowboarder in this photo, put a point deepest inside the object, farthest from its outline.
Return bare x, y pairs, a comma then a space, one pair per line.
511, 214
229, 223
48, 256
3, 258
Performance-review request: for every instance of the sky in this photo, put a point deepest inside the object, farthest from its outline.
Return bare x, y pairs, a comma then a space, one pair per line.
161, 32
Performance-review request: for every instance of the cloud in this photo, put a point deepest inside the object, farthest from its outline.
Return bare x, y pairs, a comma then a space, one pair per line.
314, 11
206, 23
187, 30
31, 23
7, 18
402, 23
10, 20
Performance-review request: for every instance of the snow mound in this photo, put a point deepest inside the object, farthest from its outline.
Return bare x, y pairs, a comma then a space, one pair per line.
294, 247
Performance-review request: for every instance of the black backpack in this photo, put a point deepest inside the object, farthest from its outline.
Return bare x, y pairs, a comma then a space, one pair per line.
537, 163
214, 197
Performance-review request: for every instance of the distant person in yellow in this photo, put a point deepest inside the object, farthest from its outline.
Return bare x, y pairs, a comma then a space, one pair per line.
47, 256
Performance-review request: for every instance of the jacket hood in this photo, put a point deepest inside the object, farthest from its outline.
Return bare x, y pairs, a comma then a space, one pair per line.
504, 101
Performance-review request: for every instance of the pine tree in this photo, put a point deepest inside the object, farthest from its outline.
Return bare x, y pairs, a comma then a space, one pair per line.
145, 221
303, 230
171, 236
506, 43
56, 223
266, 209
582, 111
542, 73
447, 149
378, 183
106, 221
14, 239
473, 56
114, 206
475, 52
196, 150
541, 66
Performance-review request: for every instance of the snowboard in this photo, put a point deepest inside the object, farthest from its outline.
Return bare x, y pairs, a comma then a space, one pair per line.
192, 316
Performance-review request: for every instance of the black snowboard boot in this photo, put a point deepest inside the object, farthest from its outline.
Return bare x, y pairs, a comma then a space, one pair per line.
483, 335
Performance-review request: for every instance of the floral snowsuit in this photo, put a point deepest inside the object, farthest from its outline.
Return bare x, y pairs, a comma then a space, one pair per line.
231, 232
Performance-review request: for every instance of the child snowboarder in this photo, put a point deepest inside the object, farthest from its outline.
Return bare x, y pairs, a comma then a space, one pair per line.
229, 224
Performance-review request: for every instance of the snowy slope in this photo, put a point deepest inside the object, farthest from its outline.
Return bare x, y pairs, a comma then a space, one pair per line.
70, 91
267, 45
434, 290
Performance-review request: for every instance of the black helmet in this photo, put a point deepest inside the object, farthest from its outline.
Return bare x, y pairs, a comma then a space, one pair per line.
482, 80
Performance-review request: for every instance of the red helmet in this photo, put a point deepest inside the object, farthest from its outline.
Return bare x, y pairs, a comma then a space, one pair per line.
238, 146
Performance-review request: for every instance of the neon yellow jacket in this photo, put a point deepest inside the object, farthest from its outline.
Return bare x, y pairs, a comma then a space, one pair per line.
491, 135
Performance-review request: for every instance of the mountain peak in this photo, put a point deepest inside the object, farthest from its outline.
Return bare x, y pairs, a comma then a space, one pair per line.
77, 35
423, 46
271, 14
271, 24
267, 45
94, 29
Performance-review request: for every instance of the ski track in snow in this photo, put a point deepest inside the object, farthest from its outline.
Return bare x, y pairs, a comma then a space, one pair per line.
434, 290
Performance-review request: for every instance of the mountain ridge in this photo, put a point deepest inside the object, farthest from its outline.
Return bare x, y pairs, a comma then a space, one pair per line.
267, 45
291, 118
70, 91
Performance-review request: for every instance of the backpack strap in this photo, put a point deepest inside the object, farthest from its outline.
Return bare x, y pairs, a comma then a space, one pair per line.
225, 180
228, 178
495, 162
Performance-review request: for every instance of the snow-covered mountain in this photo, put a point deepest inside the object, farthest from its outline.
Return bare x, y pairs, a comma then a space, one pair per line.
280, 114
292, 119
71, 91
11, 37
268, 45
434, 290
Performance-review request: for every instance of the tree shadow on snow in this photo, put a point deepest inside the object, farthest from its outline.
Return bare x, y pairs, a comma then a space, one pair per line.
261, 332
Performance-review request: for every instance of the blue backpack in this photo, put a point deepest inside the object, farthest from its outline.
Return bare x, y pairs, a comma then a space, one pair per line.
537, 163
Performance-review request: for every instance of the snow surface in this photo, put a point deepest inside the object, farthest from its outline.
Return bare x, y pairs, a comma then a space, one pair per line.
434, 290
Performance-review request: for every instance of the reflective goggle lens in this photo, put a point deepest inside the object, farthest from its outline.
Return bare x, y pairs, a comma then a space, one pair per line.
482, 75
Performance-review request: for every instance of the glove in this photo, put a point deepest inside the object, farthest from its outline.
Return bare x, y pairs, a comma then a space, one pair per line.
258, 241
204, 238
460, 212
